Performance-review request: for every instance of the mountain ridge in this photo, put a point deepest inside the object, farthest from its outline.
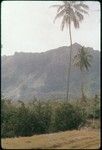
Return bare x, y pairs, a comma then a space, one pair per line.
43, 75
74, 44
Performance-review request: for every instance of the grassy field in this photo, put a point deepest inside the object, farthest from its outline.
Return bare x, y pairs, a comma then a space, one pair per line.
76, 139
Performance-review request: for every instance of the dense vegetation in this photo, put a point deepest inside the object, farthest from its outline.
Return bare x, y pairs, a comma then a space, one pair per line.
36, 117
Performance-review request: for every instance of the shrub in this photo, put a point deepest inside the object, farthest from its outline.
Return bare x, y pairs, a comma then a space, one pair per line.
94, 108
68, 117
40, 117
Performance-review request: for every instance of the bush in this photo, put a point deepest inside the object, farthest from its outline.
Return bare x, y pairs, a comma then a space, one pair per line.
39, 117
94, 108
68, 117
23, 127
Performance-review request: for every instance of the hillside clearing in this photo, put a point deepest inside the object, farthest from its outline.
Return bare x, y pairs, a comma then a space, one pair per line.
76, 139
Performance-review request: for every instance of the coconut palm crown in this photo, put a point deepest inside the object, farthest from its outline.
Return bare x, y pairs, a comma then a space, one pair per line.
83, 59
71, 11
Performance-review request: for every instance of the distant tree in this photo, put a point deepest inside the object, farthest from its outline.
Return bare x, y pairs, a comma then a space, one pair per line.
71, 12
82, 60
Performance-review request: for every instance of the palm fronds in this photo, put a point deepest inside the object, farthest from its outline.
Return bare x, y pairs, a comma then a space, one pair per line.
71, 10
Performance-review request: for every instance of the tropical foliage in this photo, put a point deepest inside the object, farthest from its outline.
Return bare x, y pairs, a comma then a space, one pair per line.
39, 117
70, 12
83, 60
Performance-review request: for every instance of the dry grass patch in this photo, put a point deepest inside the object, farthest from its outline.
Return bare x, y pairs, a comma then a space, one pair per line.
76, 139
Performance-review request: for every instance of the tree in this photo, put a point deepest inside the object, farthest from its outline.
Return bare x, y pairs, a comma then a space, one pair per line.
70, 11
82, 60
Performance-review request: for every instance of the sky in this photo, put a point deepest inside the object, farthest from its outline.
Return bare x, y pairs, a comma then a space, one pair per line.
27, 26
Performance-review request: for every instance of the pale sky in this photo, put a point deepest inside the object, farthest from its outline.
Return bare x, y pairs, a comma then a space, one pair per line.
27, 26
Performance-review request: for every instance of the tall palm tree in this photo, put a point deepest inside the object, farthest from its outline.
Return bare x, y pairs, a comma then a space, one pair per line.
70, 11
82, 60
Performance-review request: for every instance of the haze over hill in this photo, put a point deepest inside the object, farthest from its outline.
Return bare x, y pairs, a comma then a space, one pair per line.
43, 75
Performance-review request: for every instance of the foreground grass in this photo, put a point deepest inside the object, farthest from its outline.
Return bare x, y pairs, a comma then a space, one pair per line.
76, 139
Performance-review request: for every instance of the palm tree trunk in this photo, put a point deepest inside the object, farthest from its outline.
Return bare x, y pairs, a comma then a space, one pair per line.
82, 87
70, 59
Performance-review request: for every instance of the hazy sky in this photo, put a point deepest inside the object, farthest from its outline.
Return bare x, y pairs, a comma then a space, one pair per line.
28, 26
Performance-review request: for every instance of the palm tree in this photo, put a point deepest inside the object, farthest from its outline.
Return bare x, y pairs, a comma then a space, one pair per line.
82, 60
70, 11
